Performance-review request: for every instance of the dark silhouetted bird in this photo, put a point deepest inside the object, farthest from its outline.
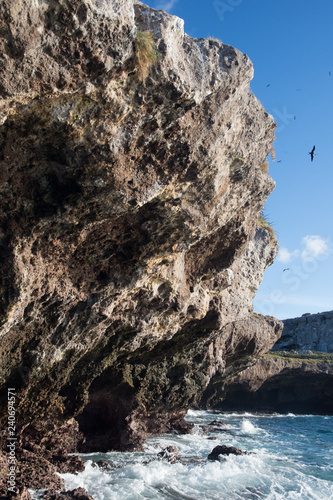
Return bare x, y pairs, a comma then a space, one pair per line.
312, 152
286, 269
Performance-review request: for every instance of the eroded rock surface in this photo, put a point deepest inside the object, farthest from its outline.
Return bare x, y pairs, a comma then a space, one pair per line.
310, 332
281, 385
129, 250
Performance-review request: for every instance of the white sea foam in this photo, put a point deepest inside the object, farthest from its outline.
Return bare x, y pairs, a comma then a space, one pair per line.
291, 460
234, 478
248, 427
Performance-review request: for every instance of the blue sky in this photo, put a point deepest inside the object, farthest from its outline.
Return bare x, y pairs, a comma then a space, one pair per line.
290, 43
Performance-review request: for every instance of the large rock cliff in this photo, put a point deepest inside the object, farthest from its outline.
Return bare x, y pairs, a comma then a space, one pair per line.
130, 251
310, 332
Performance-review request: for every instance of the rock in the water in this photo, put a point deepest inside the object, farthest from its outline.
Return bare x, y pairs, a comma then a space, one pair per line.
104, 465
218, 423
170, 453
76, 494
225, 450
68, 464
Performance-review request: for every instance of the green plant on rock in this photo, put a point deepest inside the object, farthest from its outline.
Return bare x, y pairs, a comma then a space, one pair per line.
263, 222
146, 53
307, 357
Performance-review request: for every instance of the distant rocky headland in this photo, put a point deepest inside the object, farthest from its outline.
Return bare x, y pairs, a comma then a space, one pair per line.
310, 332
295, 376
132, 175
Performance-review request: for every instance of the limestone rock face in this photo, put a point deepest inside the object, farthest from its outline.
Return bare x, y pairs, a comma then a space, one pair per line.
310, 332
53, 46
129, 250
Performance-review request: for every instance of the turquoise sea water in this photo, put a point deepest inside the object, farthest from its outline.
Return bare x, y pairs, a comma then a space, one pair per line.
292, 459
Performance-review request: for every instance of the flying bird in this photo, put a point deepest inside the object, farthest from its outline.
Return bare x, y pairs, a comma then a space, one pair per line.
286, 269
279, 161
312, 152
268, 85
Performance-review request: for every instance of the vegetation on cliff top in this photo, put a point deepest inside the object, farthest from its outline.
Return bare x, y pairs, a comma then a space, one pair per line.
308, 357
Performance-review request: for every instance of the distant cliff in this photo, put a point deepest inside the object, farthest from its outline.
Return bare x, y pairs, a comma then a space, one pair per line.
129, 245
295, 376
310, 332
284, 384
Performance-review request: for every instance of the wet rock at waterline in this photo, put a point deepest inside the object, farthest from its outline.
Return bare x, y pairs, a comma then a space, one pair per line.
224, 450
170, 453
76, 494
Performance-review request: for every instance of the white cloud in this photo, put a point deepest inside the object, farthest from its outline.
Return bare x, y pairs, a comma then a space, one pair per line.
314, 246
285, 256
166, 5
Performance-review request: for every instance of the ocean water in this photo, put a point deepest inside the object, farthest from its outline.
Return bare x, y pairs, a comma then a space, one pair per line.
292, 459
